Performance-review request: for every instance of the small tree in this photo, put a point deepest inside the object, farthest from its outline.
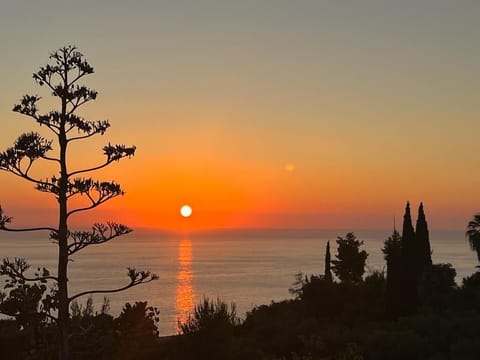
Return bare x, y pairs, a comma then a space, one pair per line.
62, 77
392, 250
350, 264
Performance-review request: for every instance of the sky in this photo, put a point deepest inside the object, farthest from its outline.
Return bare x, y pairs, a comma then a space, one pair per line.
265, 113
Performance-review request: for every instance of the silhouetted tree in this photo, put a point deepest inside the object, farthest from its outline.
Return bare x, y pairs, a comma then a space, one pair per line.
408, 236
473, 234
61, 77
328, 271
350, 264
422, 242
392, 251
409, 264
416, 255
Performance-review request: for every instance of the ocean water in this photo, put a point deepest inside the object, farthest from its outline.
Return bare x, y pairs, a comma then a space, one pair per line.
248, 267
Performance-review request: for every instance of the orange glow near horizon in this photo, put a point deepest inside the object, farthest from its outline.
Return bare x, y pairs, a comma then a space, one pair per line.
313, 131
184, 294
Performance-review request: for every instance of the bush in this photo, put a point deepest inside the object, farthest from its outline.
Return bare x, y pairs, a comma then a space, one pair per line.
210, 316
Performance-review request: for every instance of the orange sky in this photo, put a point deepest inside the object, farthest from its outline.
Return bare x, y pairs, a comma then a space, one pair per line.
324, 114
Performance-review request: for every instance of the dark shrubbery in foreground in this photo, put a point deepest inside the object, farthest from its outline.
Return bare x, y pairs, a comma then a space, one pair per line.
327, 320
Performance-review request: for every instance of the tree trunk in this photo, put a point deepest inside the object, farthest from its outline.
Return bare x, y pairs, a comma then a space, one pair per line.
63, 314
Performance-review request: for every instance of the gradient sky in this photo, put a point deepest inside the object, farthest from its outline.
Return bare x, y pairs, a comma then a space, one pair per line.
328, 114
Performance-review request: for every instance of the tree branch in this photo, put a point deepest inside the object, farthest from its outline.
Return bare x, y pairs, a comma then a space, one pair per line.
32, 313
91, 169
81, 137
93, 206
4, 219
136, 278
103, 191
51, 159
4, 228
16, 270
100, 234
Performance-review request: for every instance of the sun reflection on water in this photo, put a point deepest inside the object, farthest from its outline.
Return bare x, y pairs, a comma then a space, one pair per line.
185, 297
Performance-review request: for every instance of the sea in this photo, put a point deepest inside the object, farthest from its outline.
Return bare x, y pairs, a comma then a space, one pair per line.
245, 267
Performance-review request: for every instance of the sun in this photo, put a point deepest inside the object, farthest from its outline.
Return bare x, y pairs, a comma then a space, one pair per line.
186, 211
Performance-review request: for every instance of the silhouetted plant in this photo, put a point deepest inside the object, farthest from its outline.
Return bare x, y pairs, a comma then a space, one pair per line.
62, 77
136, 329
473, 235
422, 242
92, 334
392, 250
470, 292
350, 264
328, 272
211, 315
208, 332
297, 286
416, 258
321, 297
410, 255
437, 286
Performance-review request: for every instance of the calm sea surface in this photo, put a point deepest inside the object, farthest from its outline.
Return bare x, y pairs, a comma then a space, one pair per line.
246, 267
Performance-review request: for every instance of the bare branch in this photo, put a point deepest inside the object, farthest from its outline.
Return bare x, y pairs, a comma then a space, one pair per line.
4, 220
113, 153
136, 278
27, 229
90, 169
96, 191
100, 234
78, 96
89, 128
51, 159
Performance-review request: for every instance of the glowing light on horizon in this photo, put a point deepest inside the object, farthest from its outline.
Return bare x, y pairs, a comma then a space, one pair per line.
186, 211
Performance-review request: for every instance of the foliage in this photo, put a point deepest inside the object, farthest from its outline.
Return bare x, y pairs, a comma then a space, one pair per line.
473, 234
392, 250
211, 315
297, 286
136, 330
208, 333
437, 286
350, 264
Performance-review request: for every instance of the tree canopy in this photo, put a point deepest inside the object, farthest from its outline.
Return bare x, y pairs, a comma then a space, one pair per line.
350, 264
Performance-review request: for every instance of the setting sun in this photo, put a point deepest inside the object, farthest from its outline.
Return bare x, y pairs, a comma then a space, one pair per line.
186, 211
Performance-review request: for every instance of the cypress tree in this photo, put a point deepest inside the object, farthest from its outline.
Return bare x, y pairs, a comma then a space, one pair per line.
408, 268
422, 242
408, 234
328, 271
